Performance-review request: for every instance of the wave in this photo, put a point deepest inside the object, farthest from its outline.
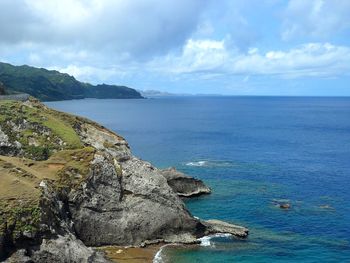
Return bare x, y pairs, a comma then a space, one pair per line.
158, 256
206, 241
199, 163
211, 163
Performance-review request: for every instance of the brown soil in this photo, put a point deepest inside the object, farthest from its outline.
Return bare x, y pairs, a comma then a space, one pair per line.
131, 255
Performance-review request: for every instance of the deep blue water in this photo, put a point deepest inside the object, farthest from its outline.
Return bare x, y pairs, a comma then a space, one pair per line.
251, 151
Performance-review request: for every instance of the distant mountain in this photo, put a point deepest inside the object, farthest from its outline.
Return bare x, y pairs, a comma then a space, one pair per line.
161, 94
49, 85
155, 93
158, 94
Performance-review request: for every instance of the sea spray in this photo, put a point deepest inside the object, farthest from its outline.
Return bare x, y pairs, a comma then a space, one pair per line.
199, 163
212, 163
206, 241
158, 258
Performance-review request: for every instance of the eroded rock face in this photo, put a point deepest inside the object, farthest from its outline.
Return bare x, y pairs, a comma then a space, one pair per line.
104, 140
53, 240
184, 185
128, 203
7, 147
62, 249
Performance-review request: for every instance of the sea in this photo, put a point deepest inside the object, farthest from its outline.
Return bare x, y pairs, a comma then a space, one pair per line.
255, 153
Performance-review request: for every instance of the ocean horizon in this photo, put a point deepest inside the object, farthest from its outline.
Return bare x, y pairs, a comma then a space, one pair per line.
255, 153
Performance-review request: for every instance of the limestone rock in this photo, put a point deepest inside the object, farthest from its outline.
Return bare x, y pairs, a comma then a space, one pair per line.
60, 250
103, 139
6, 146
216, 226
129, 207
184, 185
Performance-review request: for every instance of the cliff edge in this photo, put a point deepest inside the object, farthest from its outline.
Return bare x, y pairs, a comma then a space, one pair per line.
68, 184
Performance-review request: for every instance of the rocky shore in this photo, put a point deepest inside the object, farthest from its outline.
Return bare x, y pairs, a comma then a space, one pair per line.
183, 185
69, 184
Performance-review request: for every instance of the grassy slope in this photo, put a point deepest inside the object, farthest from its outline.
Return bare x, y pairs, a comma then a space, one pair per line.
16, 111
66, 165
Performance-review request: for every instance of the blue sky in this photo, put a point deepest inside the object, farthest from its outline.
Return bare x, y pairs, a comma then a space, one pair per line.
236, 47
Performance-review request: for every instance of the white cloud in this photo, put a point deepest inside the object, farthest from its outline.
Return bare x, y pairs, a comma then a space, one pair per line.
201, 59
91, 74
139, 28
197, 56
313, 59
145, 41
315, 18
210, 56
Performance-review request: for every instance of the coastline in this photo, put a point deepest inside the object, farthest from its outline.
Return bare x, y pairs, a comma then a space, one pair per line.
240, 190
132, 254
152, 253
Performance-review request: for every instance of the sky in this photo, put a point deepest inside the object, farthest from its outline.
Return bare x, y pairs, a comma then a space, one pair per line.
231, 47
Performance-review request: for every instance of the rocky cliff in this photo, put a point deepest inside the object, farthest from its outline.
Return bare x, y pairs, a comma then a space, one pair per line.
68, 184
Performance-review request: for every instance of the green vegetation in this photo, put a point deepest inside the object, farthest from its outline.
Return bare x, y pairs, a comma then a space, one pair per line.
76, 166
47, 147
22, 217
49, 85
38, 152
2, 89
42, 131
62, 130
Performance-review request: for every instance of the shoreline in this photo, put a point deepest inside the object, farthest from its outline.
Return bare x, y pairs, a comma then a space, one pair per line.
151, 253
132, 254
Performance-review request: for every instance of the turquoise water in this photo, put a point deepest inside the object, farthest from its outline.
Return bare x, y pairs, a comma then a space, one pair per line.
253, 152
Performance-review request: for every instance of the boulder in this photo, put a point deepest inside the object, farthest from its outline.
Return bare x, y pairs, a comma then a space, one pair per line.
216, 226
183, 185
285, 206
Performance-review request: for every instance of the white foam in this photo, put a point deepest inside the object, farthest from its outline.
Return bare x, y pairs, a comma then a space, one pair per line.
206, 240
158, 256
199, 163
211, 163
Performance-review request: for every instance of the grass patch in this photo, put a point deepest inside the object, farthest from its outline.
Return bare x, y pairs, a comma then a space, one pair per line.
38, 152
21, 217
76, 166
65, 132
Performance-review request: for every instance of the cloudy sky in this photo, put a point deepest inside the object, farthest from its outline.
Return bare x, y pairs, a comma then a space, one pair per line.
238, 47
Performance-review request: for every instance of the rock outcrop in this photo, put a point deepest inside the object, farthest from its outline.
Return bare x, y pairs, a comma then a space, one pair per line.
216, 226
69, 183
184, 185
